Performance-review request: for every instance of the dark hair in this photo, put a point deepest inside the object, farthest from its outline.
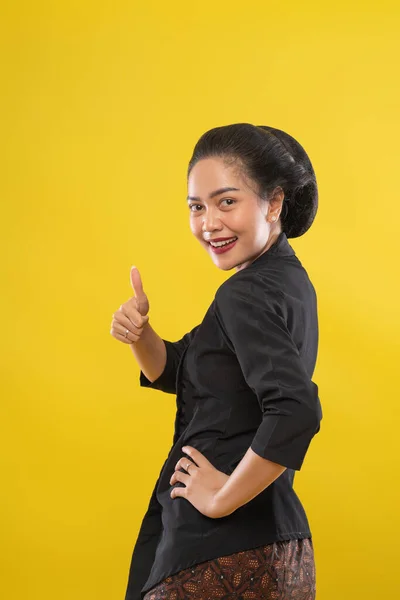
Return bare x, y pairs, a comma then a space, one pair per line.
269, 157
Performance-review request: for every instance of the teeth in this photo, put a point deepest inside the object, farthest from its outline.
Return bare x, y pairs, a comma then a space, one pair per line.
218, 244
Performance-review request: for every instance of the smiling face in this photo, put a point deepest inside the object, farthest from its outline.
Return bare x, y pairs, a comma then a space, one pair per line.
222, 205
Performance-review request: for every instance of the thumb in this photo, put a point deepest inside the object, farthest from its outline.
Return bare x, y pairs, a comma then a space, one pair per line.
140, 299
136, 282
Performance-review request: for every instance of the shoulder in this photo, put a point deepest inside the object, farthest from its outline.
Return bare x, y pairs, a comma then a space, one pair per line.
248, 288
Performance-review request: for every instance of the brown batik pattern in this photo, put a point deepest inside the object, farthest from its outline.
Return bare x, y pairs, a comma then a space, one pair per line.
282, 570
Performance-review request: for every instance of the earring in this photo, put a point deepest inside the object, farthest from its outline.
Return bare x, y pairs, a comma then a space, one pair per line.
273, 218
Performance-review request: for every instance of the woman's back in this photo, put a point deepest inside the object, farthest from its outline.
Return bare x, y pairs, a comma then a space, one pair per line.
243, 379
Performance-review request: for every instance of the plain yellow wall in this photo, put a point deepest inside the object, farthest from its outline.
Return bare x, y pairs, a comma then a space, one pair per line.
101, 106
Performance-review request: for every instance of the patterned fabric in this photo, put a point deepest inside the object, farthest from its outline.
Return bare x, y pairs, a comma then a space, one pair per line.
282, 570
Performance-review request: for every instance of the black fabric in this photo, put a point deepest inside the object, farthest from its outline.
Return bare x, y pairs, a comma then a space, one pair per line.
242, 378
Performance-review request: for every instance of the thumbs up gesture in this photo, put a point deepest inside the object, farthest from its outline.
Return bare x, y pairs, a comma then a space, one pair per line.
131, 318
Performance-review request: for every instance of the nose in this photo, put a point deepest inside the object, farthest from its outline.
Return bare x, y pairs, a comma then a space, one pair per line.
210, 221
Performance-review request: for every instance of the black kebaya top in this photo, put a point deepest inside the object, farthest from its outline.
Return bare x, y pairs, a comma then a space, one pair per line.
242, 378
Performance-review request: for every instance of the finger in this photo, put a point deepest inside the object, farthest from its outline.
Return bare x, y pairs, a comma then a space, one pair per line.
196, 456
121, 338
130, 319
179, 476
137, 320
137, 285
185, 463
178, 491
123, 334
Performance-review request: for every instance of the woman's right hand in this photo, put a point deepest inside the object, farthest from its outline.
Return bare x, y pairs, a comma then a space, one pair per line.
131, 315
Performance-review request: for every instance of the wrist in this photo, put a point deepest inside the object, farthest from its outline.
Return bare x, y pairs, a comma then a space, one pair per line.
222, 505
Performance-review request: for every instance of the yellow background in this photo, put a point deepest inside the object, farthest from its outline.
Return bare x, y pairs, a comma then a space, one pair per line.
101, 105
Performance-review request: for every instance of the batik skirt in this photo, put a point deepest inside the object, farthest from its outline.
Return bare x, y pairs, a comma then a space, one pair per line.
281, 570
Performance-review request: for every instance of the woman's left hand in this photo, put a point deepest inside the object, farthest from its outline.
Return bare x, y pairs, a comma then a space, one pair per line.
202, 482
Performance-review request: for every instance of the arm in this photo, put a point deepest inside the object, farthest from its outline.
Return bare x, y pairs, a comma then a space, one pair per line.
150, 353
251, 316
252, 475
159, 359
251, 319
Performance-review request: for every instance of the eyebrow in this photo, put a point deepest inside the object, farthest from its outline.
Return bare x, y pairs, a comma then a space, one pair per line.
215, 193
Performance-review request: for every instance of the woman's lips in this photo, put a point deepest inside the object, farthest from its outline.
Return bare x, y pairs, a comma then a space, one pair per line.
222, 249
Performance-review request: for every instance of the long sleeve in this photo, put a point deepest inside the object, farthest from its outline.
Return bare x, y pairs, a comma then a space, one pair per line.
166, 382
252, 319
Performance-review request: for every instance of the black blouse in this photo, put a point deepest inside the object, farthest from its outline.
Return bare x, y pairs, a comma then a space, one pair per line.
242, 377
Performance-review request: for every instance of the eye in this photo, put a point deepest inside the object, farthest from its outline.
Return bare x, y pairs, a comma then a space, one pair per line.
191, 206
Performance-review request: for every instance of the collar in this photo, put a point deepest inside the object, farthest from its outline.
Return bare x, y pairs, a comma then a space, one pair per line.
279, 248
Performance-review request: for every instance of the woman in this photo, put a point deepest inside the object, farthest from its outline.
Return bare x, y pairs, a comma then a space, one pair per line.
223, 520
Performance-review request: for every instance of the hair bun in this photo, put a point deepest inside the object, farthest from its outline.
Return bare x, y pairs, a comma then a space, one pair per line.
301, 205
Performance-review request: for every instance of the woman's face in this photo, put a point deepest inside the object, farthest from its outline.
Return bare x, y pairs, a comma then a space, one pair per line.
236, 213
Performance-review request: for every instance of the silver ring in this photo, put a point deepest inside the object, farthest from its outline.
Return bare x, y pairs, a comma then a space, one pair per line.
126, 332
187, 467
